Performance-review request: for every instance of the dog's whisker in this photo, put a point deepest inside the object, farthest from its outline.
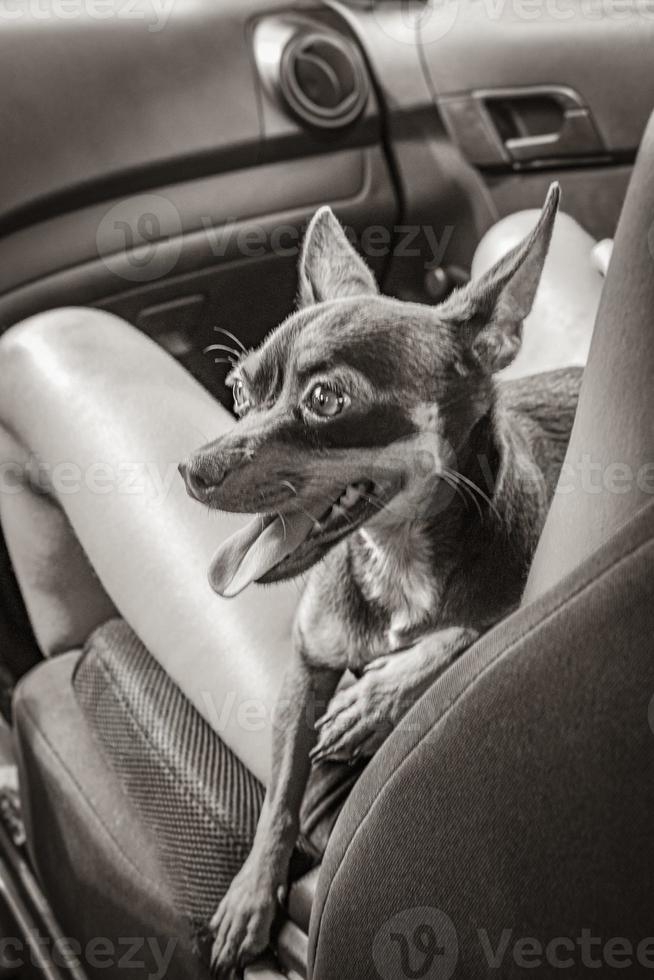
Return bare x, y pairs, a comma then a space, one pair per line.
229, 350
454, 486
474, 489
465, 490
481, 493
281, 517
233, 337
471, 483
287, 483
461, 489
223, 360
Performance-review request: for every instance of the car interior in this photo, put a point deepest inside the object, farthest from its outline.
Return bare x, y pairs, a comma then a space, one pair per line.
160, 162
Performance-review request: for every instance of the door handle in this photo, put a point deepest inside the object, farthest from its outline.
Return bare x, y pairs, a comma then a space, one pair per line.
541, 123
577, 137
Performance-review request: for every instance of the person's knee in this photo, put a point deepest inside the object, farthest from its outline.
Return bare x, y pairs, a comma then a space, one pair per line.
66, 337
505, 234
53, 351
569, 240
67, 328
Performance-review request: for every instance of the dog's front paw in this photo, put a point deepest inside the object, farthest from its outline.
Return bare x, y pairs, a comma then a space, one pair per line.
242, 923
360, 717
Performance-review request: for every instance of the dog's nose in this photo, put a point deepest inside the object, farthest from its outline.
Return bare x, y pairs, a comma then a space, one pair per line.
197, 485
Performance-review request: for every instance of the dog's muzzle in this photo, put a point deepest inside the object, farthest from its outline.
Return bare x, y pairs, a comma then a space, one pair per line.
198, 485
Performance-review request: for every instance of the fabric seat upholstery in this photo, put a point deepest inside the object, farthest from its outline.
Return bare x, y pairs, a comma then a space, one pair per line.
96, 860
516, 800
198, 800
137, 814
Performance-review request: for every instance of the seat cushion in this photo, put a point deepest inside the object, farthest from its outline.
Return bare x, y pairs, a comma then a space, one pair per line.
97, 862
199, 802
136, 814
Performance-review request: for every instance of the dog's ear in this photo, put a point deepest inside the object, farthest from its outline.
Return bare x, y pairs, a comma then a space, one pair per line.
330, 268
491, 309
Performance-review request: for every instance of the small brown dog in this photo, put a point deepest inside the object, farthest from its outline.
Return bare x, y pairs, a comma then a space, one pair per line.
374, 437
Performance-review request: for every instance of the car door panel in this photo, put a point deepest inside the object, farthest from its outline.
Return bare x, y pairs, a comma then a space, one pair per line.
600, 51
155, 155
96, 102
127, 137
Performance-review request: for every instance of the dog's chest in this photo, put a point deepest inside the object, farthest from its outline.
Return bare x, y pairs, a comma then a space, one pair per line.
395, 572
373, 595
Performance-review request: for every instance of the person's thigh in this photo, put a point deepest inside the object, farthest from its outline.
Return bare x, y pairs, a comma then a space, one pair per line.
109, 415
64, 597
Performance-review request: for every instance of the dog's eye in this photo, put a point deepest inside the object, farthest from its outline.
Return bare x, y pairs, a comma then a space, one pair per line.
241, 403
326, 401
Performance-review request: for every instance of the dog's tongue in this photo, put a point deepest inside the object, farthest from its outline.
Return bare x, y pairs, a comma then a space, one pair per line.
255, 549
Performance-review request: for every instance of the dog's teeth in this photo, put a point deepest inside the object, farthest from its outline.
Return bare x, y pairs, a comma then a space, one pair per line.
350, 497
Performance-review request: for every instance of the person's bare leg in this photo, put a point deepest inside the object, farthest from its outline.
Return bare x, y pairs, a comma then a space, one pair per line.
558, 331
64, 597
108, 415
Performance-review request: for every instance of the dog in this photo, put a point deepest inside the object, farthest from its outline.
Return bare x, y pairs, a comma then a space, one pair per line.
378, 451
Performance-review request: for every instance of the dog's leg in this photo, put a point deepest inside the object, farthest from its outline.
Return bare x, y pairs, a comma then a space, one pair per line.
362, 715
244, 918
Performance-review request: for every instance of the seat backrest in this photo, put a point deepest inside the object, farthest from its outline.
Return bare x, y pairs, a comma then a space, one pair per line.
608, 474
514, 803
